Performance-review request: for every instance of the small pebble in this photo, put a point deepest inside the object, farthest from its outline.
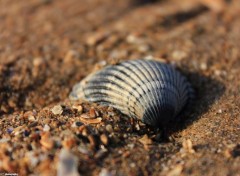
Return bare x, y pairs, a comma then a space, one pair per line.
92, 141
4, 140
57, 110
137, 127
105, 172
131, 146
132, 165
33, 124
46, 127
220, 111
79, 123
188, 146
10, 130
26, 133
143, 48
18, 130
79, 108
96, 38
31, 118
178, 55
100, 153
46, 141
145, 140
203, 66
91, 121
104, 139
109, 128
84, 150
176, 171
67, 164
71, 54
217, 72
133, 39
76, 124
85, 116
68, 143
92, 113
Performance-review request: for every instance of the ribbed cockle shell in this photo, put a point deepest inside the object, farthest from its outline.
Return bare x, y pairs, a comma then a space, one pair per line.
149, 90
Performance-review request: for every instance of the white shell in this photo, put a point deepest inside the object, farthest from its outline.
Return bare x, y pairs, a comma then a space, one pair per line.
151, 91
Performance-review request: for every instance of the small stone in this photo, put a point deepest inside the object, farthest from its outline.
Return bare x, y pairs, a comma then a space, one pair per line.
38, 61
126, 154
109, 128
159, 59
188, 146
134, 39
31, 118
84, 130
92, 113
118, 54
227, 153
10, 130
33, 159
217, 72
105, 172
85, 116
76, 124
236, 151
71, 54
216, 6
26, 133
68, 143
67, 164
104, 139
18, 130
46, 127
33, 124
91, 121
220, 111
102, 63
79, 108
4, 140
132, 165
95, 39
83, 149
46, 141
145, 140
79, 124
57, 110
137, 127
100, 153
176, 171
92, 141
178, 55
203, 66
143, 48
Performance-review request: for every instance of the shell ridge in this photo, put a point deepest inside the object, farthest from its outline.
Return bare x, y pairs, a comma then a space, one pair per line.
152, 100
112, 93
115, 76
170, 73
133, 70
147, 89
159, 84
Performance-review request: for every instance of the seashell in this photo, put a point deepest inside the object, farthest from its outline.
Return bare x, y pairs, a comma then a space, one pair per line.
149, 90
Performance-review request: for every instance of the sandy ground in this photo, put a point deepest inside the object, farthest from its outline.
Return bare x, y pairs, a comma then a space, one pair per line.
46, 46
